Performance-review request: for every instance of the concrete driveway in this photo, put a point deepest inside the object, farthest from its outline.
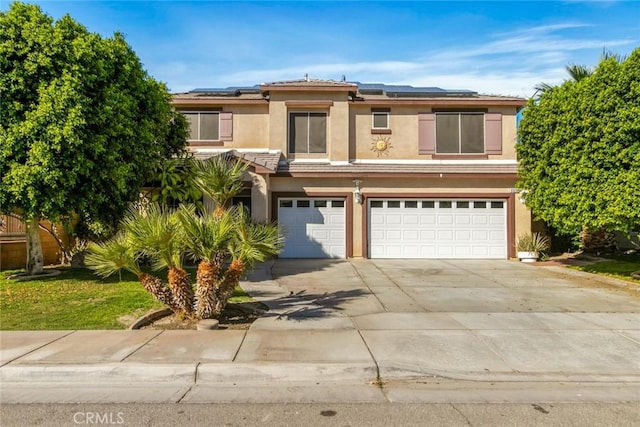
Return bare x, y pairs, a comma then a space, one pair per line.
472, 320
361, 331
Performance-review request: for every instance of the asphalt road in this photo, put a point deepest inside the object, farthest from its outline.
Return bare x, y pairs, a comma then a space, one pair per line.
314, 414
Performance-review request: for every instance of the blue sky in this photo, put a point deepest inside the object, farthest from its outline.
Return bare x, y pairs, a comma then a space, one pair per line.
500, 47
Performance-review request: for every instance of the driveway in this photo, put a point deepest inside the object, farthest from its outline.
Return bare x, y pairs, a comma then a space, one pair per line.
357, 287
462, 319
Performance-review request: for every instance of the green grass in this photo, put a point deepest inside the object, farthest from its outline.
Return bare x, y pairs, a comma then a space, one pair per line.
619, 267
76, 299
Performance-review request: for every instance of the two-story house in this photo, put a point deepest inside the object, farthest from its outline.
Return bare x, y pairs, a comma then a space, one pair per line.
370, 170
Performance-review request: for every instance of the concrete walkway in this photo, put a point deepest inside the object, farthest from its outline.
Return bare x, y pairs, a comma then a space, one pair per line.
361, 330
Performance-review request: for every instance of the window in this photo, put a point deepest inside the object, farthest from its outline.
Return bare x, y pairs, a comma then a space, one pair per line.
380, 120
460, 133
308, 132
203, 126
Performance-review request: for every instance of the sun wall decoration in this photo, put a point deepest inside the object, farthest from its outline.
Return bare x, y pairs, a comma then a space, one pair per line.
381, 145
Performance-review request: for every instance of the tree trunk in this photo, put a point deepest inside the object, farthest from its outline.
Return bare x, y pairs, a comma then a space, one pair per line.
34, 247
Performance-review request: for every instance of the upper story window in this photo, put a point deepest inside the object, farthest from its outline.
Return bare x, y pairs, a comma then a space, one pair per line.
460, 133
472, 133
380, 121
307, 132
212, 127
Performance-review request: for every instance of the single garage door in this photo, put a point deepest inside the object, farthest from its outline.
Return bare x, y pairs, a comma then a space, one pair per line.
314, 227
438, 228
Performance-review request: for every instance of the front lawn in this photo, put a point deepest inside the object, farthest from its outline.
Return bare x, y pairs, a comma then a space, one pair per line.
619, 267
76, 299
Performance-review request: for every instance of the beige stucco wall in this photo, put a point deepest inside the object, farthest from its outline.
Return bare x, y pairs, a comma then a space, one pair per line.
403, 122
250, 126
337, 122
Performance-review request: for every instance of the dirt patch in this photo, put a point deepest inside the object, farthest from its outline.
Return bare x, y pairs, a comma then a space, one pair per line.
235, 316
577, 258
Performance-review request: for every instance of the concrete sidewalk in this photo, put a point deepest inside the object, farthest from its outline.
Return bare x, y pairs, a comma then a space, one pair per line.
352, 331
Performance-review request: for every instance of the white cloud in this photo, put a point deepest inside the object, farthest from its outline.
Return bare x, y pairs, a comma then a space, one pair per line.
506, 63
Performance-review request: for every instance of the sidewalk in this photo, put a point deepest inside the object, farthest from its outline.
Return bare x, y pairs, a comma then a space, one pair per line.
312, 349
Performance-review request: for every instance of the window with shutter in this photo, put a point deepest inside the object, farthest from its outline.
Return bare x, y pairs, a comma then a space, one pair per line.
460, 133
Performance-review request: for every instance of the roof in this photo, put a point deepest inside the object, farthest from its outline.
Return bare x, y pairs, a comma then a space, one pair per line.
262, 161
359, 92
269, 161
439, 169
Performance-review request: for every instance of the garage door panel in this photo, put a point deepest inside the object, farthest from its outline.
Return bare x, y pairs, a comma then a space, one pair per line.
411, 219
480, 220
434, 228
463, 219
427, 235
463, 235
427, 219
410, 235
394, 234
445, 219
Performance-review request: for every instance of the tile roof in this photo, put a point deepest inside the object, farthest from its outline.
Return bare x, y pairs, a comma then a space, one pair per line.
267, 160
429, 168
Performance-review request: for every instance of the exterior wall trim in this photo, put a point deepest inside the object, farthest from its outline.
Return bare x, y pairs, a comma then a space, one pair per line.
308, 104
396, 175
510, 198
474, 102
348, 196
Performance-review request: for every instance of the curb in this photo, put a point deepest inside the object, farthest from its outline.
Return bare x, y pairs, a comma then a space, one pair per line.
149, 318
108, 373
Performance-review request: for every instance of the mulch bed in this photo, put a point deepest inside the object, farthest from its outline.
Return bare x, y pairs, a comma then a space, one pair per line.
235, 316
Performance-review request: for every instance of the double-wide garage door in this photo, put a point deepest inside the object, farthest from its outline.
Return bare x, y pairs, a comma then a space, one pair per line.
437, 228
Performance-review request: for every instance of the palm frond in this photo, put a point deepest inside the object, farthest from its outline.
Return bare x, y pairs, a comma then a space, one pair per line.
220, 178
255, 242
112, 257
206, 237
156, 232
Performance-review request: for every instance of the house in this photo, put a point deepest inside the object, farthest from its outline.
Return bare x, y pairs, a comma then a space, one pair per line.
370, 170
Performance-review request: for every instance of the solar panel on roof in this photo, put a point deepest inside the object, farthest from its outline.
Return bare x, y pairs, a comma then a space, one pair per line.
407, 90
232, 90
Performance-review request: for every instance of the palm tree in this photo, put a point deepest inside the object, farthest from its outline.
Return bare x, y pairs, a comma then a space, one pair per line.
253, 242
156, 232
228, 242
207, 238
579, 72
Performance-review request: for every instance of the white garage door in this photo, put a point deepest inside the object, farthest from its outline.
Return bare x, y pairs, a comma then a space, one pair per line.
314, 227
438, 228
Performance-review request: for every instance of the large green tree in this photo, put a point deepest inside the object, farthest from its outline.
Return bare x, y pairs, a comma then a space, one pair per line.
82, 125
579, 150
